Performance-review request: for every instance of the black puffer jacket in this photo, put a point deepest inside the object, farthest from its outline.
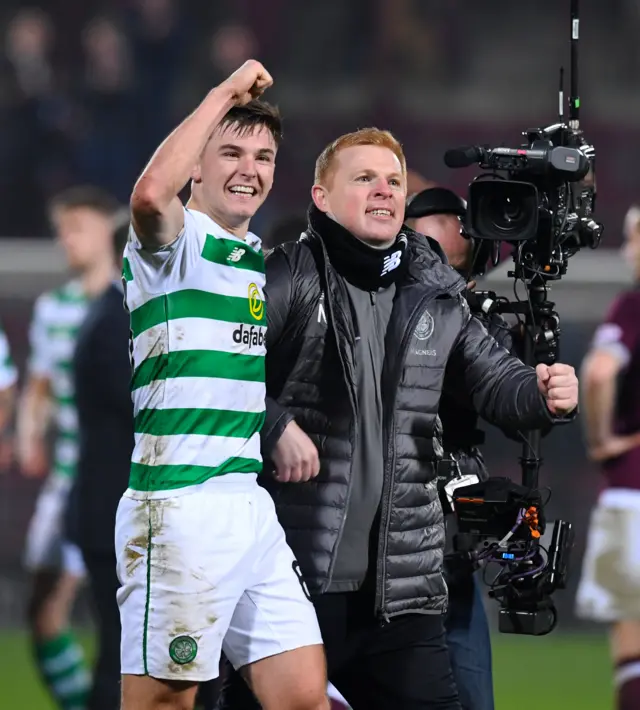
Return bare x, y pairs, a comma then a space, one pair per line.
461, 435
311, 376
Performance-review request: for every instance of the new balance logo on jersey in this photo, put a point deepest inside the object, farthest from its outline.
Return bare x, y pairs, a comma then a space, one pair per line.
391, 262
236, 254
249, 335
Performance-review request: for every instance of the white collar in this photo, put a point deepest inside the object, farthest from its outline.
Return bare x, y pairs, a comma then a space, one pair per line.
209, 225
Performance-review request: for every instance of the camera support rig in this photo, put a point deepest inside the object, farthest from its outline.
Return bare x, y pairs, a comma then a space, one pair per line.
502, 522
539, 334
544, 208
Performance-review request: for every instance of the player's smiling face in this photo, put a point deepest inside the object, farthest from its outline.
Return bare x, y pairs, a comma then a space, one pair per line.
235, 174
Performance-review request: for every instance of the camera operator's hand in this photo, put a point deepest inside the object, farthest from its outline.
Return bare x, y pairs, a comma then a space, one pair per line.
295, 456
559, 386
248, 82
614, 446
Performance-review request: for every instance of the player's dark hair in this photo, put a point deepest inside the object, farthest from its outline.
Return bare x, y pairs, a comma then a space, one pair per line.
245, 119
88, 196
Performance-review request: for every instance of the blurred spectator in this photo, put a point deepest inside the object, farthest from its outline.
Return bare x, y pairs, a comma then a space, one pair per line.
36, 153
109, 142
221, 52
167, 55
408, 43
159, 37
268, 20
425, 40
231, 46
28, 48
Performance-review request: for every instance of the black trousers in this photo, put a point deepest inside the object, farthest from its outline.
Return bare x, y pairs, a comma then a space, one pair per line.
399, 665
101, 570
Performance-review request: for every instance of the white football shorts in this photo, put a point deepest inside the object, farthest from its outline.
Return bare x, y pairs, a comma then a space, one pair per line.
203, 570
45, 546
609, 588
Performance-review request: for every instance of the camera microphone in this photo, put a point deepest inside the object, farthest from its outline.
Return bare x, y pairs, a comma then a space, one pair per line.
464, 156
541, 157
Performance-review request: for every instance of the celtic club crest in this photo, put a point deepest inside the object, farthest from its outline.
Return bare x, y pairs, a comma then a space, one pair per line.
425, 326
183, 649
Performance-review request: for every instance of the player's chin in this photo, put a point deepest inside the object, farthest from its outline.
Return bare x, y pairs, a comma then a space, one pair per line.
239, 212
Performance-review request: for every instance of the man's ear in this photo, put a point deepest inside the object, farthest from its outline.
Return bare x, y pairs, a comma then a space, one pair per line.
319, 197
196, 173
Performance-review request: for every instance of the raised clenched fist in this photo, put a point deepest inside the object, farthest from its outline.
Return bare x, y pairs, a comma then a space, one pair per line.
559, 386
248, 82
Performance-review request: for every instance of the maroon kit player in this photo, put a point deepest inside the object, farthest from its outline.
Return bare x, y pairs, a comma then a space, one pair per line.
609, 589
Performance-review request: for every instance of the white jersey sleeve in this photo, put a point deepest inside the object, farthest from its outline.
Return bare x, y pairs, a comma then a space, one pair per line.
157, 270
40, 360
8, 372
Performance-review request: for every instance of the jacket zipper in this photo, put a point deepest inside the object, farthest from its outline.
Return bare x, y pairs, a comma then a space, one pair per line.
354, 405
389, 478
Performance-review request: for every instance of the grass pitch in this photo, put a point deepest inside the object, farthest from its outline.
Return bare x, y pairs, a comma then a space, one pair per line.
558, 672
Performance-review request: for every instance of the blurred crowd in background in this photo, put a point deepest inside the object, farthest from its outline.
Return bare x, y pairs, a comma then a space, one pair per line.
88, 89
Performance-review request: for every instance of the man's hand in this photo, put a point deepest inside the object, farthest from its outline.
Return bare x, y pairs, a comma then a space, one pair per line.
295, 456
559, 386
614, 446
248, 82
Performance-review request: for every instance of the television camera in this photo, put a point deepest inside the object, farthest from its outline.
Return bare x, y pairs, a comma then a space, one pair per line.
540, 199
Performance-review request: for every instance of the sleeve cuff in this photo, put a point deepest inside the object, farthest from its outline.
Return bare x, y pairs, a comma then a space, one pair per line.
554, 419
276, 420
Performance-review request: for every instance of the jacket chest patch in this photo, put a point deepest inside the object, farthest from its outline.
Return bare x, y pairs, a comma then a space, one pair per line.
422, 341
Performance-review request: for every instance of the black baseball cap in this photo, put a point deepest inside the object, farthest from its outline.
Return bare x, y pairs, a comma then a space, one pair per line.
435, 200
441, 200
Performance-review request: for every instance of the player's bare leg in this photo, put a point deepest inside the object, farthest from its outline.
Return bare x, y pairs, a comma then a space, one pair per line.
51, 602
625, 652
60, 658
146, 693
294, 680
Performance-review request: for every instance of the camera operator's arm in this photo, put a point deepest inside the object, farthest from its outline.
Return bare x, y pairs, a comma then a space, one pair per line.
614, 345
283, 441
503, 390
510, 338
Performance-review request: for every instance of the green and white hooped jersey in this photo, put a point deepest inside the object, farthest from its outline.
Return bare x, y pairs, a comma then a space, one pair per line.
198, 327
57, 318
8, 372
